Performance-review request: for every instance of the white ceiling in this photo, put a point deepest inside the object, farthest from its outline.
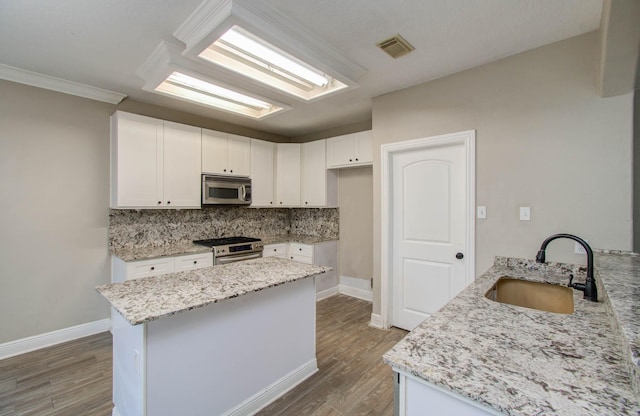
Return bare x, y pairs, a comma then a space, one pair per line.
102, 43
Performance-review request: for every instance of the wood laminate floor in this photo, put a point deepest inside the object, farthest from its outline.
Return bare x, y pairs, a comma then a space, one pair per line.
74, 378
67, 379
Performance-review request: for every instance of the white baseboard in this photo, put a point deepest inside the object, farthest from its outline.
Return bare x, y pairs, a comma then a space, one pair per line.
356, 287
326, 293
354, 292
376, 321
275, 390
21, 346
115, 412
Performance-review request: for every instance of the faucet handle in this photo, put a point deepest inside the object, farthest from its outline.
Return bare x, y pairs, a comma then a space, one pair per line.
570, 280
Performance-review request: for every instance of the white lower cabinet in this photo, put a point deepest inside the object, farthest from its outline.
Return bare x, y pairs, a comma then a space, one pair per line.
275, 250
192, 262
322, 254
126, 270
414, 397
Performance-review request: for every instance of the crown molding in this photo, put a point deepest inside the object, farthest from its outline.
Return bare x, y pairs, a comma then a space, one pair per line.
210, 14
47, 82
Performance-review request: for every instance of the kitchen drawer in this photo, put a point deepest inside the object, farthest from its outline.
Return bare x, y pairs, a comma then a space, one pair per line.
301, 259
300, 250
194, 261
146, 268
275, 250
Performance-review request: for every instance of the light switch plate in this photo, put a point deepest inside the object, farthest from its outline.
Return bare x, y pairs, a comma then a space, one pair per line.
482, 212
525, 214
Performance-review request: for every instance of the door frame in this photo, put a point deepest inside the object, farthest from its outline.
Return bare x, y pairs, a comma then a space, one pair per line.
468, 138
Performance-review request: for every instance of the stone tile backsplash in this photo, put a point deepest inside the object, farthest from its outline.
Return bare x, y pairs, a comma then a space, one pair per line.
143, 228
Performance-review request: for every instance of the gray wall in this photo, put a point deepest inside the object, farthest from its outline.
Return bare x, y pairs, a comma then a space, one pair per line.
54, 185
544, 139
636, 169
356, 217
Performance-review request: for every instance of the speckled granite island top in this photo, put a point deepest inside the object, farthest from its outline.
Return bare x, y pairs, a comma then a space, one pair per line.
520, 361
151, 298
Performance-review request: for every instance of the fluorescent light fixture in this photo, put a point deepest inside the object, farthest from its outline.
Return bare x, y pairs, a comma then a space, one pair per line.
190, 88
269, 54
246, 54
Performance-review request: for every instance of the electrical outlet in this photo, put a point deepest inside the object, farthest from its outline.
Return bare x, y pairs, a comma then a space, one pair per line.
482, 212
525, 214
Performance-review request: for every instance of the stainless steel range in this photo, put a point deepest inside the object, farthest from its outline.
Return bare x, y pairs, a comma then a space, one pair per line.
232, 249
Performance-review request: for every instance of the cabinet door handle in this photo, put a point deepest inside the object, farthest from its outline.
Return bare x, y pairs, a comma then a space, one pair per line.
350, 160
231, 171
356, 159
159, 202
195, 262
152, 268
306, 202
224, 170
300, 249
168, 202
275, 249
271, 202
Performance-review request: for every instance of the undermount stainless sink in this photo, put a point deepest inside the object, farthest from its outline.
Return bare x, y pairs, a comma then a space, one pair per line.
533, 295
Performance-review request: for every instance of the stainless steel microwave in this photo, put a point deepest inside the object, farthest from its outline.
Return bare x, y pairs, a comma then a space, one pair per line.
226, 190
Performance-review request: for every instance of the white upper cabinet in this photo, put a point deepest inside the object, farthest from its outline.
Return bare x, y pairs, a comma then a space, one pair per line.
288, 174
182, 148
318, 186
154, 164
239, 155
354, 149
225, 154
263, 157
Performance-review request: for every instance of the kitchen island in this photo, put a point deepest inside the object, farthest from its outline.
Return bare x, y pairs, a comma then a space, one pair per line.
476, 356
223, 340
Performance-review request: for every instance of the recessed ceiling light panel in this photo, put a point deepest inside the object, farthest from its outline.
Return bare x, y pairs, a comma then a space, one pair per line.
251, 41
244, 53
187, 87
167, 72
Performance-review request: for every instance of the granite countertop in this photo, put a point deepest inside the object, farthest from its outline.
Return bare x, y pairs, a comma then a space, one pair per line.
520, 361
149, 252
620, 276
182, 248
147, 299
295, 238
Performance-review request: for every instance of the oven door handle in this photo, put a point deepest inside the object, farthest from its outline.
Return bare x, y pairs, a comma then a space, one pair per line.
244, 193
231, 259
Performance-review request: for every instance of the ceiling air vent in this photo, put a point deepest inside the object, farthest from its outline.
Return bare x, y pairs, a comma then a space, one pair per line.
395, 46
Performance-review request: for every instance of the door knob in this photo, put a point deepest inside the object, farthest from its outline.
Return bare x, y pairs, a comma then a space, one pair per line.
459, 255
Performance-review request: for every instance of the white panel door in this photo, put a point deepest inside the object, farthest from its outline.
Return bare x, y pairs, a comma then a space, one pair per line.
182, 165
263, 156
429, 229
